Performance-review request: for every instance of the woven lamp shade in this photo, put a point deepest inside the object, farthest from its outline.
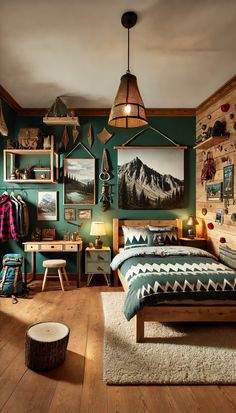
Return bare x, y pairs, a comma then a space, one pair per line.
128, 110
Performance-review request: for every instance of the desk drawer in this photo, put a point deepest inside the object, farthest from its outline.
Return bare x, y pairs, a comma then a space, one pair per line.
31, 247
51, 247
70, 247
97, 268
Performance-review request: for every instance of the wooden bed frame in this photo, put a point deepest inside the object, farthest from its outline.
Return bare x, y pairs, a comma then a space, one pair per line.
166, 313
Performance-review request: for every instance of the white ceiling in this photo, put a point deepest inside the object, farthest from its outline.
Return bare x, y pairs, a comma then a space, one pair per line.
181, 50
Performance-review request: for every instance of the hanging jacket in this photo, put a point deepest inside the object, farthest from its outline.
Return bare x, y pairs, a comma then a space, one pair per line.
25, 216
8, 228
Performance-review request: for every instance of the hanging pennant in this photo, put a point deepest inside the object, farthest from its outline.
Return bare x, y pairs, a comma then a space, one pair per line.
75, 133
104, 174
65, 138
3, 126
104, 135
90, 135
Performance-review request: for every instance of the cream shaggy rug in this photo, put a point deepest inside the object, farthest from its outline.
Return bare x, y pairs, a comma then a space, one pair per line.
192, 353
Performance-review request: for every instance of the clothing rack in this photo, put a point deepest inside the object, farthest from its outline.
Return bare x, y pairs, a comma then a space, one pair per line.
22, 188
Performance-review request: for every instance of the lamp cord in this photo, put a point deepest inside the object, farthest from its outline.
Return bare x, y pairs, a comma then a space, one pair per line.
128, 52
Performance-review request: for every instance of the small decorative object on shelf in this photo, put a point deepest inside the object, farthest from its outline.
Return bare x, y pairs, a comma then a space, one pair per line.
58, 115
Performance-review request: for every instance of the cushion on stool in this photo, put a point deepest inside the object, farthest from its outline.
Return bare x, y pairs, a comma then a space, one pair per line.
54, 263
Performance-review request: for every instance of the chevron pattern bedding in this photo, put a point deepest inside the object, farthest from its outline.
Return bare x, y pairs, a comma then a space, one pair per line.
157, 275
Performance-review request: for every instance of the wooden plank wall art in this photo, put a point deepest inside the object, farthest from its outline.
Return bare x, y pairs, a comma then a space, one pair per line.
216, 197
150, 178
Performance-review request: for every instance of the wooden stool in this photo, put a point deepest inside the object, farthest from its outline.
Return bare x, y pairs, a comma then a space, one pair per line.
61, 268
45, 345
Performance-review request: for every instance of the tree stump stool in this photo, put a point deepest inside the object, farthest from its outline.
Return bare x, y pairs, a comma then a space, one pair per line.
45, 345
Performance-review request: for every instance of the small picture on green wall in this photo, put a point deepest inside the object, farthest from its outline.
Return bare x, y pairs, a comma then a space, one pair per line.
47, 206
69, 214
84, 213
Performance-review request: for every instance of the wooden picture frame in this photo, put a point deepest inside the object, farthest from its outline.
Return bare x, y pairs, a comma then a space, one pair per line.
47, 209
79, 181
228, 181
48, 234
214, 191
69, 214
84, 214
150, 178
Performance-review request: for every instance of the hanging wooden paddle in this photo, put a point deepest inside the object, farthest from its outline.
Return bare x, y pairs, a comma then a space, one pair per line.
90, 136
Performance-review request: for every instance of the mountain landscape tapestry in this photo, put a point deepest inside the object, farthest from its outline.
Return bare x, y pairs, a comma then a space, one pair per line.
150, 178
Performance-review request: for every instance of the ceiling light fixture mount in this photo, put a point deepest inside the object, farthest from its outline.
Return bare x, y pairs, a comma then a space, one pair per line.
128, 110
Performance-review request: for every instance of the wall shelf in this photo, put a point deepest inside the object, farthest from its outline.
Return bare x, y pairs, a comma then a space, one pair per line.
12, 156
66, 120
208, 143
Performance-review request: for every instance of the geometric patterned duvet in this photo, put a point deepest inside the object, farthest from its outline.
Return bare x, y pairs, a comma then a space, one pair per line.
170, 274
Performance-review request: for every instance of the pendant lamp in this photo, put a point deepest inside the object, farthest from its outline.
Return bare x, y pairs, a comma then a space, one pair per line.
128, 110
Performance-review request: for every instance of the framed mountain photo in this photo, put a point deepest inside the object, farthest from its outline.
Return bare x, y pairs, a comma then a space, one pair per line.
79, 181
150, 178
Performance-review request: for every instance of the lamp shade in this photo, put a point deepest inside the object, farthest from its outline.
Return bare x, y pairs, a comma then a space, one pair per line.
98, 228
128, 110
192, 221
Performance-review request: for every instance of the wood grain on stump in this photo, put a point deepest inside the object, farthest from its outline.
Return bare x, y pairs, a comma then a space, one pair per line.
45, 345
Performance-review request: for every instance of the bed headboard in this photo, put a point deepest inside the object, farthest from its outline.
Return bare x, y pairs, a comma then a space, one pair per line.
118, 238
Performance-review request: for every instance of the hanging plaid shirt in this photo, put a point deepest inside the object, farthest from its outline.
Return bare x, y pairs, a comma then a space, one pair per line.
7, 219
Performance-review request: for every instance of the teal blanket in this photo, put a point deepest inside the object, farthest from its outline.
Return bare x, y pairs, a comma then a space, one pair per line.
163, 275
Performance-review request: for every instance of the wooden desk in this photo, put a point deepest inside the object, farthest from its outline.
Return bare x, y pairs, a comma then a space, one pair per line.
59, 247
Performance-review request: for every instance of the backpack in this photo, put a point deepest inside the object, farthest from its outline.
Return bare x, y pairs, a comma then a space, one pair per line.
11, 283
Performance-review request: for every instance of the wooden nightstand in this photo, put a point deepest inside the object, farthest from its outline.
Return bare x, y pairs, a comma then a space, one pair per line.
97, 261
195, 242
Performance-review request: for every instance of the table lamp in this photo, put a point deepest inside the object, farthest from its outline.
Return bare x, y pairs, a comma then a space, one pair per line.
192, 221
98, 229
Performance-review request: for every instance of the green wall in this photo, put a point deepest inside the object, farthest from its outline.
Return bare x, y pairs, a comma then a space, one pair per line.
179, 129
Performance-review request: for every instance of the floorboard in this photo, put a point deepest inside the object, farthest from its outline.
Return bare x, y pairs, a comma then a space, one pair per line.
77, 385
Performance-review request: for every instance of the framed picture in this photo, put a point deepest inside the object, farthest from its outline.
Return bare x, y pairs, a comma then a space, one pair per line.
214, 192
219, 216
47, 206
48, 234
228, 181
150, 178
84, 214
69, 214
79, 181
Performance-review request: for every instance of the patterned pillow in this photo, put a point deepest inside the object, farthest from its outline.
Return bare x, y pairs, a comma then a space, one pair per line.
162, 236
135, 237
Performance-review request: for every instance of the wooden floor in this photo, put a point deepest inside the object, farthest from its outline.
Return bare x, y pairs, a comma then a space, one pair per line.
77, 385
